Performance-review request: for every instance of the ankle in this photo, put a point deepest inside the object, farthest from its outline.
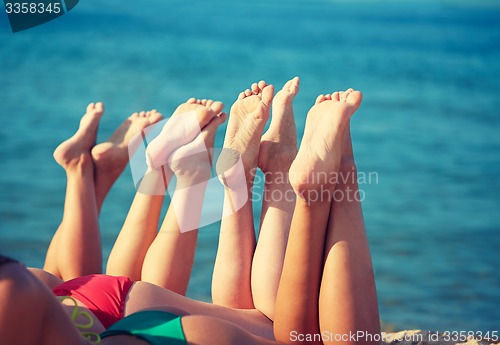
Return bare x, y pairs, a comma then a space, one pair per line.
81, 163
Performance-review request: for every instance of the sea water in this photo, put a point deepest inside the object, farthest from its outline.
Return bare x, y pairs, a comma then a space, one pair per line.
428, 127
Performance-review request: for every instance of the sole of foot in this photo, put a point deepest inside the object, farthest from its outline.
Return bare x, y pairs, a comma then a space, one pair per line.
278, 146
75, 150
247, 119
321, 147
182, 127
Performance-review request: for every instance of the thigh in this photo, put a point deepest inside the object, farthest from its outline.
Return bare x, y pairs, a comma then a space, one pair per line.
144, 295
50, 264
221, 332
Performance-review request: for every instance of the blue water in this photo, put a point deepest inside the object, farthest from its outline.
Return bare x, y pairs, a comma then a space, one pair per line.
428, 126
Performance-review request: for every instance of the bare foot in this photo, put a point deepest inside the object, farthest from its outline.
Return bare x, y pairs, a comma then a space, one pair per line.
71, 152
192, 163
247, 119
111, 156
183, 127
321, 147
278, 146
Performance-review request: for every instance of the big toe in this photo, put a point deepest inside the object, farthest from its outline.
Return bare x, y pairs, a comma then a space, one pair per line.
293, 85
217, 107
97, 108
354, 98
267, 95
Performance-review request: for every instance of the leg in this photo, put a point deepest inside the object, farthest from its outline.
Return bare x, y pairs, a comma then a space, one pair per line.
141, 226
139, 229
221, 332
76, 247
348, 272
231, 285
111, 157
144, 295
169, 259
278, 148
141, 223
310, 174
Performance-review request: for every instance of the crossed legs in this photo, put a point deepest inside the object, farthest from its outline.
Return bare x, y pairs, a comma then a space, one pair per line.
165, 257
75, 249
327, 283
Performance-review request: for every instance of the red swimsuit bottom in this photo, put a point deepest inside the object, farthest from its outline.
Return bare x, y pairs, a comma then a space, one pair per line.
103, 295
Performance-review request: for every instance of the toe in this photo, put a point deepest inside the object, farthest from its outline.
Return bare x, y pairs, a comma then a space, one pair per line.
267, 95
204, 101
320, 99
209, 103
154, 117
341, 96
288, 85
262, 84
217, 107
328, 97
248, 92
142, 114
255, 88
241, 95
191, 100
354, 98
90, 107
294, 85
336, 96
345, 95
99, 107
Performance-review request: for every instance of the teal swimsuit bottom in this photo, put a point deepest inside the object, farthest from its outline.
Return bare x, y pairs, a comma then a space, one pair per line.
154, 326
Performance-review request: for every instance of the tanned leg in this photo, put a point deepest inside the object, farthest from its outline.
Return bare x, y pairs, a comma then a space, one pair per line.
231, 285
318, 157
76, 247
169, 259
108, 158
141, 225
278, 148
131, 245
348, 298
